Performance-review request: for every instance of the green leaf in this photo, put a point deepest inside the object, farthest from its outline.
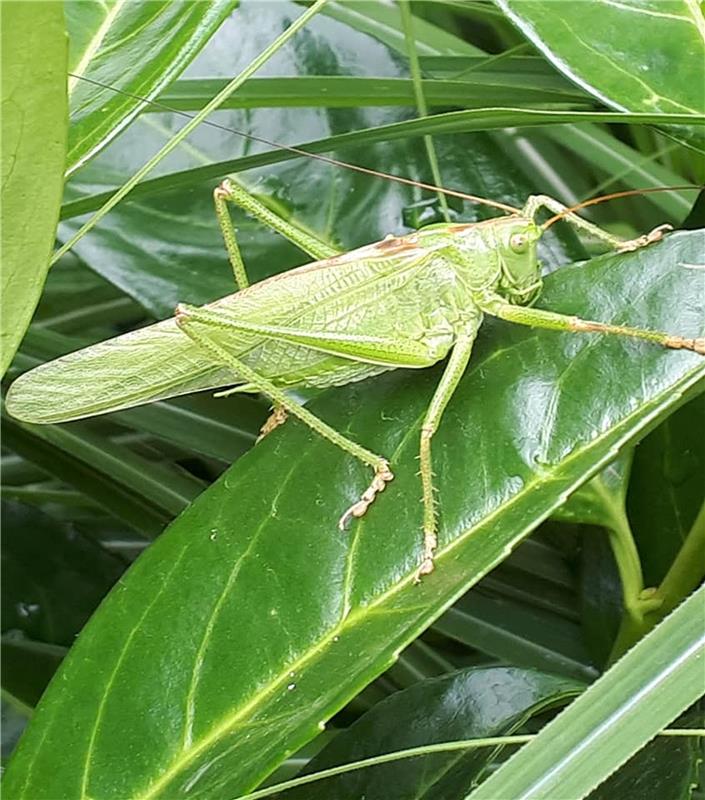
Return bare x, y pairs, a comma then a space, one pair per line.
622, 711
633, 56
137, 48
34, 110
451, 123
287, 617
349, 92
467, 704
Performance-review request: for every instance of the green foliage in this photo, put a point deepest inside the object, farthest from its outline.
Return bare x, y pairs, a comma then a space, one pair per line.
33, 151
251, 620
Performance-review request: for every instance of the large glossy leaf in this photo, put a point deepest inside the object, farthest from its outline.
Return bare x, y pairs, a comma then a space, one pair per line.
138, 48
636, 55
252, 619
622, 711
467, 704
34, 110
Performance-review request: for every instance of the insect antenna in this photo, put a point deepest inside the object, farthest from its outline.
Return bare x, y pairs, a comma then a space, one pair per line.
614, 196
301, 152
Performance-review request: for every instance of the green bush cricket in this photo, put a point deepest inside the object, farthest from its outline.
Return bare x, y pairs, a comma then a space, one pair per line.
404, 302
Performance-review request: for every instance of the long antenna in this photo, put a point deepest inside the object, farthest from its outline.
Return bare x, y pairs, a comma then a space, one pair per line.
614, 196
300, 152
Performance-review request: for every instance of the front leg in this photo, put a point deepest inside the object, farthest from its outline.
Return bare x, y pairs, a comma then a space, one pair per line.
537, 201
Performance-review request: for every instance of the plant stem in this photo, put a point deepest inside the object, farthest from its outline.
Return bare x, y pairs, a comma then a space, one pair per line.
624, 550
684, 576
687, 570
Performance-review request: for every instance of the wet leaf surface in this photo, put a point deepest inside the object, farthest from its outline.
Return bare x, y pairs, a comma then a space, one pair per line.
252, 620
625, 54
139, 48
467, 704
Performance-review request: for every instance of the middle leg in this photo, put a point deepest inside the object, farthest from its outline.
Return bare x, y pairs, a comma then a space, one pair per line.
230, 191
457, 363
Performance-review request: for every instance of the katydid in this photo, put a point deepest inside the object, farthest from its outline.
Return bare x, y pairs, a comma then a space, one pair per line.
404, 302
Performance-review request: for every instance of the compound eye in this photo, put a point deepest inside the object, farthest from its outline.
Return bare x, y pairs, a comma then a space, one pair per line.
519, 242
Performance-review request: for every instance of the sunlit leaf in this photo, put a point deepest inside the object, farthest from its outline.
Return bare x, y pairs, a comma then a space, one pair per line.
637, 55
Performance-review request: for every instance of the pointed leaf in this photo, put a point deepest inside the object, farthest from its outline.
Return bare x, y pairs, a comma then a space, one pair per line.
33, 152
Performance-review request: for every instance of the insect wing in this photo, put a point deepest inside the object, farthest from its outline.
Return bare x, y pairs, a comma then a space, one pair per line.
160, 361
149, 364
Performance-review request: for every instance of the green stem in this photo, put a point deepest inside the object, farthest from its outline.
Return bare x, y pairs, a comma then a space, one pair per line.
220, 98
684, 576
625, 553
408, 25
687, 570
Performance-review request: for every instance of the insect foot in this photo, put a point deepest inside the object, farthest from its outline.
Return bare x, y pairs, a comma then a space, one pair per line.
679, 343
181, 313
382, 477
430, 542
642, 241
274, 420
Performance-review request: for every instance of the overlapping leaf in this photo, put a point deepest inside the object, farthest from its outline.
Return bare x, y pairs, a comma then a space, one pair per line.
627, 54
33, 152
138, 48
